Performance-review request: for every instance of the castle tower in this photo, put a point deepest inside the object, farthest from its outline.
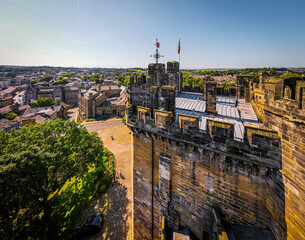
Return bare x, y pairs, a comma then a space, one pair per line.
173, 75
173, 67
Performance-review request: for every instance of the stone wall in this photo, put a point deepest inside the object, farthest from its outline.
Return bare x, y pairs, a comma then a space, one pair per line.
293, 173
284, 114
188, 182
183, 175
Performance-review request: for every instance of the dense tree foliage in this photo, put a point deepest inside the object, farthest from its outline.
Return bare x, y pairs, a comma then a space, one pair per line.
119, 83
68, 75
124, 79
47, 173
44, 102
96, 78
60, 81
226, 85
225, 72
137, 70
192, 81
10, 116
86, 77
46, 78
255, 77
290, 75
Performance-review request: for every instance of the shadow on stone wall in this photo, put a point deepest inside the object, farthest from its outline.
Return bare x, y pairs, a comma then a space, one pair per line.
275, 201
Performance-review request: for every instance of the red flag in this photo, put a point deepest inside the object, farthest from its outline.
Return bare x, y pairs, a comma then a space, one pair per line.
179, 47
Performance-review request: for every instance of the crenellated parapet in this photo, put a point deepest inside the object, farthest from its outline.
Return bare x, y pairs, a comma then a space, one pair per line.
188, 124
163, 119
285, 97
259, 146
143, 115
220, 131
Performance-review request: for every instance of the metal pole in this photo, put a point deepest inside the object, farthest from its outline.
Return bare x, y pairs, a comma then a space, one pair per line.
180, 84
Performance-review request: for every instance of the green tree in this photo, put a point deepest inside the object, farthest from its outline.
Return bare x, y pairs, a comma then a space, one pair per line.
10, 116
290, 75
255, 77
126, 80
119, 83
96, 78
46, 78
41, 167
95, 75
86, 77
68, 75
44, 102
60, 81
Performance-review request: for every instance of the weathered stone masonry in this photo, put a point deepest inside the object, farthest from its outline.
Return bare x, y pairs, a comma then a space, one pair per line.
286, 114
184, 174
238, 187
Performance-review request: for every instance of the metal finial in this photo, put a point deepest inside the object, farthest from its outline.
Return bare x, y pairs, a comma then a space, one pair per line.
157, 55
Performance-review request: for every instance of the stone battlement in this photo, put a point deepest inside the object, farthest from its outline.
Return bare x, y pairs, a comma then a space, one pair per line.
260, 146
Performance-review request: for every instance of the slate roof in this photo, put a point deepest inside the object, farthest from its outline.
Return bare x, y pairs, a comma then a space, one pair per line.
5, 110
9, 90
4, 123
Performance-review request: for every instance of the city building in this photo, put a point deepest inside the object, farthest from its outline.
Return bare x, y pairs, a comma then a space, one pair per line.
7, 125
41, 114
93, 102
6, 100
58, 93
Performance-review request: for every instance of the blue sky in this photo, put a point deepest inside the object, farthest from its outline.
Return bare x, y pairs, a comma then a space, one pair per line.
121, 33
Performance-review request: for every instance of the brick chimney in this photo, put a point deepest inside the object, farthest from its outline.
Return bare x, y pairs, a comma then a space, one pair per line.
209, 95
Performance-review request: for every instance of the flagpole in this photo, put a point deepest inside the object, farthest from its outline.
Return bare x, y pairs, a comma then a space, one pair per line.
180, 84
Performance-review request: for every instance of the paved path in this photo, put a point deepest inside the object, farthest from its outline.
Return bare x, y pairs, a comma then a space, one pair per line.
102, 125
116, 203
73, 114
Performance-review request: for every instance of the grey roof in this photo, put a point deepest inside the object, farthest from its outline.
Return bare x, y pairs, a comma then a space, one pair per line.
4, 123
226, 107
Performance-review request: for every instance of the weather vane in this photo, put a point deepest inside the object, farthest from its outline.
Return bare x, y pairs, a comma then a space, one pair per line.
157, 55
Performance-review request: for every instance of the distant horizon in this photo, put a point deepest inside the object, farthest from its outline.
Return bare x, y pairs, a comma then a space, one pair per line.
214, 68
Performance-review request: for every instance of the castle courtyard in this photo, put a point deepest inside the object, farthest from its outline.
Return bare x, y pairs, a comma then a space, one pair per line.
115, 204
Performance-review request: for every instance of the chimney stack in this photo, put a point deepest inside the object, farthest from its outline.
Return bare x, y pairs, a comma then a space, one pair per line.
209, 95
